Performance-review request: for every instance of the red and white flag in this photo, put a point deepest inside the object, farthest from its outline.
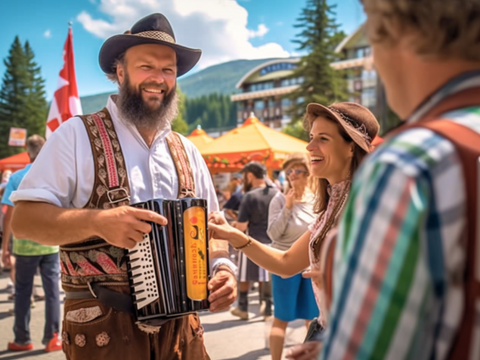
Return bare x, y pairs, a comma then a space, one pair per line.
66, 102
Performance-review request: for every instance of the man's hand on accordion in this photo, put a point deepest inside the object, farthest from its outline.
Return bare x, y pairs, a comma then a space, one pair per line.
223, 289
125, 226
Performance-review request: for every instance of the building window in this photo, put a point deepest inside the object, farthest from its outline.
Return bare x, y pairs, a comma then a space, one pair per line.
268, 85
285, 82
286, 102
259, 105
369, 98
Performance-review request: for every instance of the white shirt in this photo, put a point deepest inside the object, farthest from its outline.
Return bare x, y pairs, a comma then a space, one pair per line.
63, 173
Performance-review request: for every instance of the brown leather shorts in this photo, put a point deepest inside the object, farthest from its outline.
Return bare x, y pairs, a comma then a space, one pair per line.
93, 331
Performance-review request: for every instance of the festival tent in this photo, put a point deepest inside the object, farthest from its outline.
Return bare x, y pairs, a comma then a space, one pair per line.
15, 162
253, 141
199, 138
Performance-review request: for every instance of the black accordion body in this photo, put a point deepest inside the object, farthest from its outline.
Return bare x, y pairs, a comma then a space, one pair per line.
169, 270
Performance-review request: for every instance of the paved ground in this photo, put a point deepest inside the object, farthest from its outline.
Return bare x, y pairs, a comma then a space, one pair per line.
226, 337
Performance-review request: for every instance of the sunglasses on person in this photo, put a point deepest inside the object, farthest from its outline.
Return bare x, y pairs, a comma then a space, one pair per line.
296, 171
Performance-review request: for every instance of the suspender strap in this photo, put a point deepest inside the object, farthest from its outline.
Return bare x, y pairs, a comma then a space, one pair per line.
186, 181
94, 257
111, 188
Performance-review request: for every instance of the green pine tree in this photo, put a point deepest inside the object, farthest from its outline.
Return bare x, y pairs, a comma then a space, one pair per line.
22, 96
36, 106
12, 96
179, 124
321, 83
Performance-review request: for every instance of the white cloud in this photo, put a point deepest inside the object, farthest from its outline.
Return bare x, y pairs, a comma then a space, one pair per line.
218, 27
260, 32
47, 33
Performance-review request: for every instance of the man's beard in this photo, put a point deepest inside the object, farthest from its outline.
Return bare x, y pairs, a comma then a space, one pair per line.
138, 112
247, 186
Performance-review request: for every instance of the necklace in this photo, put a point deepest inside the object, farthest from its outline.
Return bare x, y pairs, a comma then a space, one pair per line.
330, 221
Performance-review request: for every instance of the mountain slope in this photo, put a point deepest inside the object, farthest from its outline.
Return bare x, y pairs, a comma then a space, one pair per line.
220, 78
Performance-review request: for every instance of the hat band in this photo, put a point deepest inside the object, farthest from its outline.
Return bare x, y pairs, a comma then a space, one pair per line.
157, 35
362, 129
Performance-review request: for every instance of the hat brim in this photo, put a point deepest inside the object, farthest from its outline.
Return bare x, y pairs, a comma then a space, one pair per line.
315, 110
187, 58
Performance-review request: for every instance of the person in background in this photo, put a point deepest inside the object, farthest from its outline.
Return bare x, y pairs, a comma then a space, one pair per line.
30, 256
3, 210
232, 206
253, 219
289, 216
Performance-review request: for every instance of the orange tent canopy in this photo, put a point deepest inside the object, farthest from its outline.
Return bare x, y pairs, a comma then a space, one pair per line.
199, 138
252, 141
15, 162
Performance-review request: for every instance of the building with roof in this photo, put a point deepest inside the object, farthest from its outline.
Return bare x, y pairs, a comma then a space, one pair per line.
264, 90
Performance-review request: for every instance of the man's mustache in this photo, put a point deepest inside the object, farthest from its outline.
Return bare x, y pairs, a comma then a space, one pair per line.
158, 86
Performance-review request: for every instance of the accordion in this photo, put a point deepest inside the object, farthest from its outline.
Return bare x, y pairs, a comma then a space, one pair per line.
169, 270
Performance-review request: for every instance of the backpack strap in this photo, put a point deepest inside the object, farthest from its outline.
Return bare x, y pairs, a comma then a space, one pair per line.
186, 181
111, 187
467, 144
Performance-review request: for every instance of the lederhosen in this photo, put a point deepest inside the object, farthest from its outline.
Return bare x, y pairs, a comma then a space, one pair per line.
91, 328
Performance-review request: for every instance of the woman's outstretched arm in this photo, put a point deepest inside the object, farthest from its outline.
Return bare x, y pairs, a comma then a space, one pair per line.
283, 263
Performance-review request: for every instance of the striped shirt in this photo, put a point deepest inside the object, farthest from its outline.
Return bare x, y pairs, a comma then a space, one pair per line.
399, 262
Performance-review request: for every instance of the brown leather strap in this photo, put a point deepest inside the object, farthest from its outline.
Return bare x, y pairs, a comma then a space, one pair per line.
186, 181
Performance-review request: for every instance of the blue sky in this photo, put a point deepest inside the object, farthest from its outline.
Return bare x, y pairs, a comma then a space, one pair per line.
223, 29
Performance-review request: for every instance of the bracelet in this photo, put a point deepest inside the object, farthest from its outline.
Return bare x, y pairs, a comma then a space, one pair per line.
249, 242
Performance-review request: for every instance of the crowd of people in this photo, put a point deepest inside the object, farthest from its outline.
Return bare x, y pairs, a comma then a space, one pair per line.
375, 248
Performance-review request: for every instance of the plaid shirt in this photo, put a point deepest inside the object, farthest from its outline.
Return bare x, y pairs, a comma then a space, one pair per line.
399, 261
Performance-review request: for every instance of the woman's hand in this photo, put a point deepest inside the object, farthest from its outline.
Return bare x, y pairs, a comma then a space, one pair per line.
219, 228
315, 275
290, 199
306, 351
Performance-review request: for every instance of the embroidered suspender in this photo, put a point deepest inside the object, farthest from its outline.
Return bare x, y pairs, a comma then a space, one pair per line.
186, 181
111, 187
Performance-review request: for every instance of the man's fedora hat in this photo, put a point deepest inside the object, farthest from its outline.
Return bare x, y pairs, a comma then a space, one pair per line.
152, 29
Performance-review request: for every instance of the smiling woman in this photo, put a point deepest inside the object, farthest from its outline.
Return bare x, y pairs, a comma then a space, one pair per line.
340, 137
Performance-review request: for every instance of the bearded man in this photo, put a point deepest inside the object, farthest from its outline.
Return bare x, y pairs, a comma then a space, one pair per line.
77, 191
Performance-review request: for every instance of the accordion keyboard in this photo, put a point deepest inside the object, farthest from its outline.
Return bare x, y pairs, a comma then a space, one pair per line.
143, 273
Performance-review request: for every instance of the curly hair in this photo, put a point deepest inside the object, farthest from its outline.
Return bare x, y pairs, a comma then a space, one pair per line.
440, 29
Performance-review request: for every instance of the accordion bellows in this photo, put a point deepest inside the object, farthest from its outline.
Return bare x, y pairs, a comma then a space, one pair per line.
169, 270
